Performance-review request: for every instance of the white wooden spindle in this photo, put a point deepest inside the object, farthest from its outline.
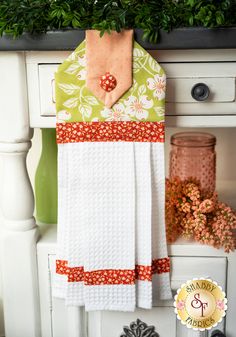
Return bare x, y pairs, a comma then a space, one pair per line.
20, 234
17, 199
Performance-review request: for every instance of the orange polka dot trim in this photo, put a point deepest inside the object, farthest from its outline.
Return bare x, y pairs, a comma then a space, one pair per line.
129, 131
109, 276
160, 266
62, 267
143, 273
76, 274
113, 276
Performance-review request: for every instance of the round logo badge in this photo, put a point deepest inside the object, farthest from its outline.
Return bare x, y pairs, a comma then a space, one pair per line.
200, 304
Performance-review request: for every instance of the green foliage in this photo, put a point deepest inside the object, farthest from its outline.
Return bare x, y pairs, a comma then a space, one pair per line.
38, 16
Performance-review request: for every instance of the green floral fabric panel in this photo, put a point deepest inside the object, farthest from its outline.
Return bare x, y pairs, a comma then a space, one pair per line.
144, 101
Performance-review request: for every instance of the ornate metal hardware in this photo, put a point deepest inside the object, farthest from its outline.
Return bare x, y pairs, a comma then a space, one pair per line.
200, 92
217, 333
139, 329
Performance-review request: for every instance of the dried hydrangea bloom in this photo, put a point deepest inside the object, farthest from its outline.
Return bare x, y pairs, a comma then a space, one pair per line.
189, 214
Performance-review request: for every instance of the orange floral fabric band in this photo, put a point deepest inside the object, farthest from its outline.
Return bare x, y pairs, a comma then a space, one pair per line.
113, 276
129, 131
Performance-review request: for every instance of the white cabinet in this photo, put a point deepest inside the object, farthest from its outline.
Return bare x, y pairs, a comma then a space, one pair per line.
217, 70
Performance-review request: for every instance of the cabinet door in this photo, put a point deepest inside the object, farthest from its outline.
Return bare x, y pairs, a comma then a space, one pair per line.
74, 322
114, 324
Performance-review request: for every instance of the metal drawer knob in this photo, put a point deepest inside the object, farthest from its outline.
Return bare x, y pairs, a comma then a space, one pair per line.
200, 92
217, 333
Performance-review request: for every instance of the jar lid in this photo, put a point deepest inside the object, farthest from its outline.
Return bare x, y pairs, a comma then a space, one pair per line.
193, 139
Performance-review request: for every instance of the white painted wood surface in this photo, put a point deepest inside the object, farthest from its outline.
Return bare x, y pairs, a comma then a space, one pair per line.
222, 90
21, 274
46, 86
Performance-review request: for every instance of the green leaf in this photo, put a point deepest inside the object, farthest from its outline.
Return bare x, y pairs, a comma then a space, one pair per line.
91, 100
191, 20
85, 110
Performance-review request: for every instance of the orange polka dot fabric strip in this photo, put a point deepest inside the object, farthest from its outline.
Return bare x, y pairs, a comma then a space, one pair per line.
109, 276
113, 276
110, 132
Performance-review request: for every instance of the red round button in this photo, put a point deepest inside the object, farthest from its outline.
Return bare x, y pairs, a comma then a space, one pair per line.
108, 82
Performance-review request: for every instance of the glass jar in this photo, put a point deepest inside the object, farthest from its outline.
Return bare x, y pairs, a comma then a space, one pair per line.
193, 156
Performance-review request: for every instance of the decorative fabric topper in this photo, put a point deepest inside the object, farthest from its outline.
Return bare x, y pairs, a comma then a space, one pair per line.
112, 252
144, 101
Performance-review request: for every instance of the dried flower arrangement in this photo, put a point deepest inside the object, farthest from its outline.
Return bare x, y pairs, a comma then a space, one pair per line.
190, 213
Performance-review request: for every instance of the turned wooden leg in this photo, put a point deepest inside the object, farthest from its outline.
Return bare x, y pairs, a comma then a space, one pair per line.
19, 267
20, 233
17, 198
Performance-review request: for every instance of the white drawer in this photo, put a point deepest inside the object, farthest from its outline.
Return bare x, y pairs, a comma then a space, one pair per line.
222, 90
219, 77
181, 77
187, 268
47, 89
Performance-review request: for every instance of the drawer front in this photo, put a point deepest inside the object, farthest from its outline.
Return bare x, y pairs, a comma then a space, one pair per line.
221, 90
110, 324
104, 324
219, 77
47, 89
187, 268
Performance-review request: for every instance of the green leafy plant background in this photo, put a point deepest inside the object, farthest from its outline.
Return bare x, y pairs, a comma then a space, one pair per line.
39, 16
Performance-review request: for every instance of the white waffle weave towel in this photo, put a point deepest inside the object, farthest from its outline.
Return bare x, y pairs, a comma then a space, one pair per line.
112, 252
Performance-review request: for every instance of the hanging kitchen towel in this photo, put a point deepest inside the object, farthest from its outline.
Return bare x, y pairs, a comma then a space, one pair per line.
111, 248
